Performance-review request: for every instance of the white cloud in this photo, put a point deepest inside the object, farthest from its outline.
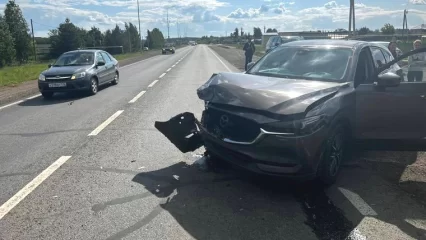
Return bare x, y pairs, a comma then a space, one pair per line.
418, 2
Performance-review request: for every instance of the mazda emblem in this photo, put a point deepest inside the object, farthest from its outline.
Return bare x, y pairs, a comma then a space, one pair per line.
224, 121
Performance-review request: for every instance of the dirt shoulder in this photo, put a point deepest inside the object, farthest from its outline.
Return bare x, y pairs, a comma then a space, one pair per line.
233, 55
407, 170
10, 94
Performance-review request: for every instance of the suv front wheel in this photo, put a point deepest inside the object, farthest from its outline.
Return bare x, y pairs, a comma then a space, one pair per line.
333, 155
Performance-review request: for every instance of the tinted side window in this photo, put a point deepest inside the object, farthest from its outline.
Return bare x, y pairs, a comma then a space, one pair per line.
106, 57
99, 58
364, 70
378, 57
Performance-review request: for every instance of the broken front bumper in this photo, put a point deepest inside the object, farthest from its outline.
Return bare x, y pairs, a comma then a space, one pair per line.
269, 153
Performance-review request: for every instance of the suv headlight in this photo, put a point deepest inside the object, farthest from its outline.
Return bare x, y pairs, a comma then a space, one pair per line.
300, 127
41, 77
78, 75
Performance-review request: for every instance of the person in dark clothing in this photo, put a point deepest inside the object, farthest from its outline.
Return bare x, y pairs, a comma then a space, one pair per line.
249, 49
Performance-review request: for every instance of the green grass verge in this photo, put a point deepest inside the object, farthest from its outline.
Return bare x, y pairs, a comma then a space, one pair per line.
15, 75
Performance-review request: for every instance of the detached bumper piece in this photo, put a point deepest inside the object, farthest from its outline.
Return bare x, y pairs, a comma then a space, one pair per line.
182, 131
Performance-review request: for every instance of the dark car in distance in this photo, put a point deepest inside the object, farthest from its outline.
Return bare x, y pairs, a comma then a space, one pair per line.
299, 110
168, 48
80, 70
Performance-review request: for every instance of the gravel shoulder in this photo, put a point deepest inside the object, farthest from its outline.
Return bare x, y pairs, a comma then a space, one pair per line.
407, 170
29, 88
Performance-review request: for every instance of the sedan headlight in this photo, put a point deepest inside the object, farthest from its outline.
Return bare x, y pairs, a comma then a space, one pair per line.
41, 77
300, 127
78, 75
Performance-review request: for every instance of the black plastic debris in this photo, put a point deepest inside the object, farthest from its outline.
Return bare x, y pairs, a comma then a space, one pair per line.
182, 131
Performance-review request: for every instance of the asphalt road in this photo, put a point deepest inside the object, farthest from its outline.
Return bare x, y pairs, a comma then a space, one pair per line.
66, 174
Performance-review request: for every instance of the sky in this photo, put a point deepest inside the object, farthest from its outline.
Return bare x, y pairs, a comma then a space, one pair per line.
195, 18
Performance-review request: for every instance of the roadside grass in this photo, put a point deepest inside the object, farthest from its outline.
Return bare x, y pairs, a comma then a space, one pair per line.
15, 75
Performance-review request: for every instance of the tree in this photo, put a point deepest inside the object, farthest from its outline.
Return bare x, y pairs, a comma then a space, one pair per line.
7, 47
364, 31
66, 38
388, 29
18, 28
257, 33
157, 38
236, 31
270, 30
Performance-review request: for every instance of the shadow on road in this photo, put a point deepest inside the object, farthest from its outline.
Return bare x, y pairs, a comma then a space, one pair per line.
230, 204
238, 205
59, 98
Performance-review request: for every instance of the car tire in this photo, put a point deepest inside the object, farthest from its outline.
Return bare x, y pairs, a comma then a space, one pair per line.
93, 86
333, 155
47, 95
116, 79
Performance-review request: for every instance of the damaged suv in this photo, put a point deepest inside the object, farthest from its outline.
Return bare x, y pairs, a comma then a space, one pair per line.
299, 110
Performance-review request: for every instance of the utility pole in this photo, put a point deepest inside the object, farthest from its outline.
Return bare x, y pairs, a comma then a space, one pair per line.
405, 24
168, 27
34, 45
140, 34
264, 29
352, 18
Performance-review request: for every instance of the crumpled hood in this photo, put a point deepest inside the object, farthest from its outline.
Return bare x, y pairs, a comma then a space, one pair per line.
277, 95
66, 70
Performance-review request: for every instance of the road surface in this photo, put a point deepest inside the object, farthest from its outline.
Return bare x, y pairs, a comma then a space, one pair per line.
95, 168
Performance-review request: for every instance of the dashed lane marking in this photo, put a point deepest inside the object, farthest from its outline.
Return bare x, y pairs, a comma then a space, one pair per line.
162, 75
153, 83
106, 123
358, 202
19, 196
137, 97
168, 70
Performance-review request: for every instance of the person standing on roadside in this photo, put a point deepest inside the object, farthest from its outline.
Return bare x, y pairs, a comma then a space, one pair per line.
416, 63
249, 49
392, 48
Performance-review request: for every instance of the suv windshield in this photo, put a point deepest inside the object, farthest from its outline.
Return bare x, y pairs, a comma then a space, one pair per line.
324, 64
75, 59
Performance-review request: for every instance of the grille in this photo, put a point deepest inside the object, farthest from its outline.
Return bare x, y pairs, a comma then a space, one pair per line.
225, 125
59, 77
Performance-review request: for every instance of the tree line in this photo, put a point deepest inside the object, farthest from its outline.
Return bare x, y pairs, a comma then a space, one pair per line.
16, 44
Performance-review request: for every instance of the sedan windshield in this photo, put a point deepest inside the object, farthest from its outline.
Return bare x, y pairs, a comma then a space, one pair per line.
314, 63
75, 59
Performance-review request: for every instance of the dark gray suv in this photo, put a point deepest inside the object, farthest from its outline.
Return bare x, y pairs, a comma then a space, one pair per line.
299, 110
81, 70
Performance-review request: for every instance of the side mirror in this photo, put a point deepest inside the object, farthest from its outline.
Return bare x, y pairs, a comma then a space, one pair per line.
100, 64
49, 66
388, 79
250, 65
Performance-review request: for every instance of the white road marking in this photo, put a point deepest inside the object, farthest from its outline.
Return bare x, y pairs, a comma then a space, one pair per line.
168, 70
137, 97
106, 123
18, 102
11, 104
29, 98
153, 83
19, 196
229, 70
173, 66
162, 75
358, 202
